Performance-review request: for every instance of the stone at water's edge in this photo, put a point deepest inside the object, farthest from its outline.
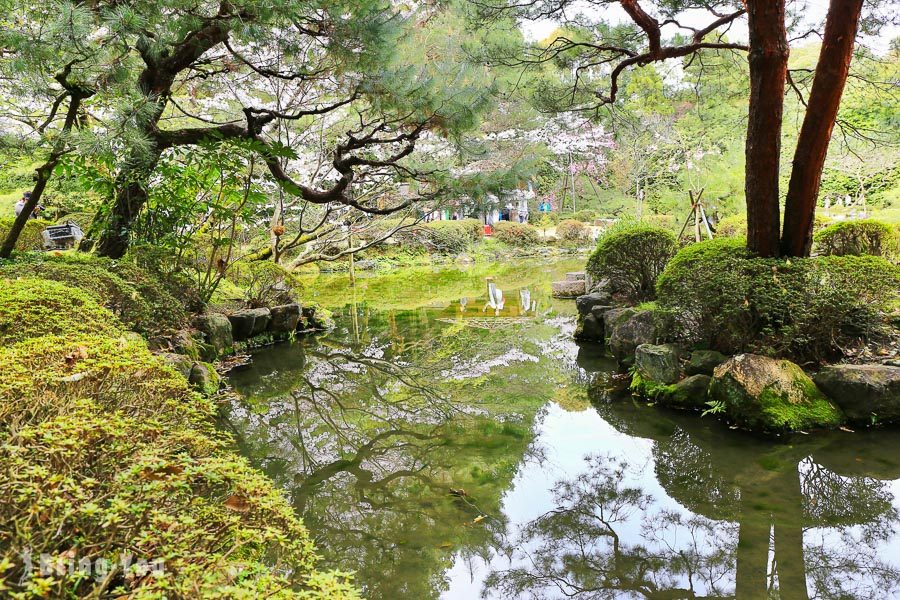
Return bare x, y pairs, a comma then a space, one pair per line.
216, 331
567, 289
690, 393
627, 331
768, 395
589, 329
285, 318
585, 303
204, 378
249, 322
657, 364
866, 393
704, 362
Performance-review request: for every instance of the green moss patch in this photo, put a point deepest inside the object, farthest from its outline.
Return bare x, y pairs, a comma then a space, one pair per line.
105, 451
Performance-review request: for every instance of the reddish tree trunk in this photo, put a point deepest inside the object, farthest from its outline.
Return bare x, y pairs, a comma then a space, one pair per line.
769, 52
818, 123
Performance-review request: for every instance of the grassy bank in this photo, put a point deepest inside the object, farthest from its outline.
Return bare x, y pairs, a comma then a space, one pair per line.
107, 452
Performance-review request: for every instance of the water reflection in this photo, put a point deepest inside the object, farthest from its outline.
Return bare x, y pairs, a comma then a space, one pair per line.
437, 458
749, 519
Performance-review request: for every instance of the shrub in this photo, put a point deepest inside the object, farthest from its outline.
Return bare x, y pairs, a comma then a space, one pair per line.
30, 238
134, 297
663, 221
573, 232
732, 226
805, 309
857, 238
585, 216
520, 235
631, 257
264, 282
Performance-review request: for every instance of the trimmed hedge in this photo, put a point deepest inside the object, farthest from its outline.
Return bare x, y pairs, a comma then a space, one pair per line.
631, 257
805, 309
571, 231
521, 235
137, 299
105, 451
30, 238
857, 238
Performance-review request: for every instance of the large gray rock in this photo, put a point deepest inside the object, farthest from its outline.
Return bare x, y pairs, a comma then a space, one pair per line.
249, 322
691, 393
585, 303
866, 393
764, 394
630, 331
657, 364
284, 318
704, 362
181, 363
216, 330
204, 378
567, 289
589, 329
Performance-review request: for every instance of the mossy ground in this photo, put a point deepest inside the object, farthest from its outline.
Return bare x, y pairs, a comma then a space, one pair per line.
105, 450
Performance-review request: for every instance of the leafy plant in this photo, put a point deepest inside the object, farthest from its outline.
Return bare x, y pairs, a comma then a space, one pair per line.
805, 309
856, 238
631, 257
521, 235
571, 231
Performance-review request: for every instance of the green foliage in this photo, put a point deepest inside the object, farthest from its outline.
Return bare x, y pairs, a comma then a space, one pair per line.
800, 308
732, 226
573, 232
30, 237
520, 235
631, 257
264, 282
137, 299
34, 307
585, 216
859, 237
105, 451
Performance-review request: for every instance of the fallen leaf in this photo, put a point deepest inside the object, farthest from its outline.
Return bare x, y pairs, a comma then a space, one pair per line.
237, 503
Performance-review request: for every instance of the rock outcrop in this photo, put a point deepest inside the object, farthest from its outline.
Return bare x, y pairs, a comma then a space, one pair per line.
764, 394
866, 393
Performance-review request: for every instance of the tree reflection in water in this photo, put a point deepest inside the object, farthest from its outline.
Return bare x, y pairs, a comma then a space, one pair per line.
382, 440
763, 520
397, 437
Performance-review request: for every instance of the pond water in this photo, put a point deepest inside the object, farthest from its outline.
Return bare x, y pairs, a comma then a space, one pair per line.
442, 447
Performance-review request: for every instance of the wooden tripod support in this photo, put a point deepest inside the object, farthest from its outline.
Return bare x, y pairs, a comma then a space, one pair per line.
698, 216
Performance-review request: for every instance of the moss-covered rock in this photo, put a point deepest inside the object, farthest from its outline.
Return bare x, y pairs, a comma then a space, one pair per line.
630, 330
768, 395
704, 362
657, 363
866, 393
216, 330
691, 393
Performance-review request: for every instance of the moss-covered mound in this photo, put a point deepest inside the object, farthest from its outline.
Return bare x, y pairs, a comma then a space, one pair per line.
133, 296
31, 237
105, 452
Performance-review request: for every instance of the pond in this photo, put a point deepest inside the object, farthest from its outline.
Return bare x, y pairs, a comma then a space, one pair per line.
440, 443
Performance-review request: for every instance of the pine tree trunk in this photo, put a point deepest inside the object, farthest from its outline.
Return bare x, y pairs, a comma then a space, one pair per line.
130, 199
769, 52
818, 123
